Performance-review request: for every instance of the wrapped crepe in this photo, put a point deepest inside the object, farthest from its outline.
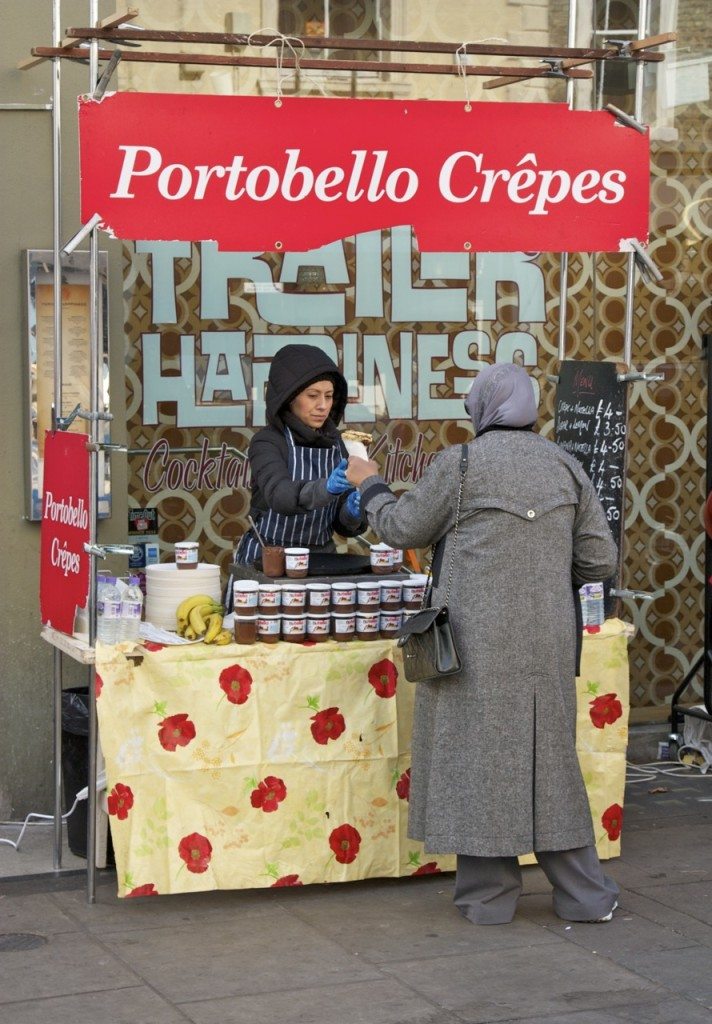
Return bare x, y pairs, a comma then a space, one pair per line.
356, 442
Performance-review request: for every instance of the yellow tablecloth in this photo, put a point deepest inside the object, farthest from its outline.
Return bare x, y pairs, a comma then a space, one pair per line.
240, 767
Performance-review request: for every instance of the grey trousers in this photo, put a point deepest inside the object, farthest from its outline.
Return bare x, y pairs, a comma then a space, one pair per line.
487, 888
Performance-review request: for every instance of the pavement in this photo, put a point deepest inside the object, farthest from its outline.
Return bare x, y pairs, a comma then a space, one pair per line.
379, 952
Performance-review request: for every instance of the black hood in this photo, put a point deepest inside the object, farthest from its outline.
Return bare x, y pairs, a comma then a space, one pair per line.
293, 368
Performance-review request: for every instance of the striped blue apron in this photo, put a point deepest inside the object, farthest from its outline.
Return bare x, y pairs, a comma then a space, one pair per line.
311, 529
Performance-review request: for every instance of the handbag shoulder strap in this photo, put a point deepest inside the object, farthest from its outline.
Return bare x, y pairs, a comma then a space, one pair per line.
463, 471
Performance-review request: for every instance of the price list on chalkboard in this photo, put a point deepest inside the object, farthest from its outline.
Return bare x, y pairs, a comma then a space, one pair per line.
591, 423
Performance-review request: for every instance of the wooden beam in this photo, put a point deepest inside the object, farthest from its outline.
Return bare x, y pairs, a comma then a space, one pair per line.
340, 43
118, 18
235, 60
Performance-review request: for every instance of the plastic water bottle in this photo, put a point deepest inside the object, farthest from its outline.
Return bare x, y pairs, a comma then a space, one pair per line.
108, 610
131, 609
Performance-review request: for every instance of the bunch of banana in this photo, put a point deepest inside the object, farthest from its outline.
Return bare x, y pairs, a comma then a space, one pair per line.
201, 617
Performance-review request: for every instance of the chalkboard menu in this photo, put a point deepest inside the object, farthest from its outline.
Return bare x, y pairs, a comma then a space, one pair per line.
591, 423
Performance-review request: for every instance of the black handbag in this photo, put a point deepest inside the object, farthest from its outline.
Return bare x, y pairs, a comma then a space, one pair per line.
426, 638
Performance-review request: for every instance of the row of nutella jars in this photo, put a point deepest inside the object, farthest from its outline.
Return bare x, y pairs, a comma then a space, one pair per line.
251, 597
314, 611
317, 627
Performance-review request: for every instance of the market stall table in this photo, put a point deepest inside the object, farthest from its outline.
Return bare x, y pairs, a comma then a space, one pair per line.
288, 764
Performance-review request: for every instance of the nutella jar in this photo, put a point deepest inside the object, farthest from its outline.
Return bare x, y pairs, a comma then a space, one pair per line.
296, 562
244, 597
343, 597
381, 559
397, 559
368, 596
343, 626
318, 597
186, 554
294, 596
391, 595
367, 625
294, 628
273, 561
269, 628
269, 598
414, 591
389, 624
318, 626
245, 629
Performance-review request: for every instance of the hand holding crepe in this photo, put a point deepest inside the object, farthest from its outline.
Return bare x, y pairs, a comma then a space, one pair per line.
359, 469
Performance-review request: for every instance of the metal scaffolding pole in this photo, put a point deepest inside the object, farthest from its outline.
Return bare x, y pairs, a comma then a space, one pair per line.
94, 407
57, 402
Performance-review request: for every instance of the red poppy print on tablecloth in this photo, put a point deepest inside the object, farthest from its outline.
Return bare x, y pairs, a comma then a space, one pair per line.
345, 841
98, 685
403, 786
431, 868
196, 851
612, 821
383, 677
286, 880
150, 645
327, 725
120, 801
269, 794
236, 682
143, 890
605, 710
175, 731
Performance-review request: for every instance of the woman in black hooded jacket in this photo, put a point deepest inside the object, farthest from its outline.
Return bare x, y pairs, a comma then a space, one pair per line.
300, 495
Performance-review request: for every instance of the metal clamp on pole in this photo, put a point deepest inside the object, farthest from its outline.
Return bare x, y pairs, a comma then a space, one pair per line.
555, 68
101, 446
627, 119
63, 422
85, 230
634, 375
643, 261
103, 83
635, 595
621, 45
102, 550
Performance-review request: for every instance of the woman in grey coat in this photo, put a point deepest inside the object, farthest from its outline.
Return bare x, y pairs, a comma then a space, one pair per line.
495, 772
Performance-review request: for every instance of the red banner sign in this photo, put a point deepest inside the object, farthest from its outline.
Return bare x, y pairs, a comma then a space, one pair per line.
64, 565
254, 176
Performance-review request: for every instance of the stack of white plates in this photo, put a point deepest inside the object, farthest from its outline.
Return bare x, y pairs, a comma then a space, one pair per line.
167, 586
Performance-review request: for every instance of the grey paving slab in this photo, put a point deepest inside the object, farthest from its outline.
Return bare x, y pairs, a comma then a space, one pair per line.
509, 984
627, 930
110, 914
375, 1002
693, 899
686, 971
120, 1006
68, 964
651, 907
666, 1011
672, 855
34, 913
419, 924
237, 955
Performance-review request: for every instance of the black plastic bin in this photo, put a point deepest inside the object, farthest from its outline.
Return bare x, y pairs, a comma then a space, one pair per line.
75, 767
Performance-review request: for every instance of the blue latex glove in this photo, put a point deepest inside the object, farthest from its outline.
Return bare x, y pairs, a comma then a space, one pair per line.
353, 504
337, 482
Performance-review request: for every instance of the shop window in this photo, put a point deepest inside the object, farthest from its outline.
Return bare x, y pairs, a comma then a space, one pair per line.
615, 80
350, 19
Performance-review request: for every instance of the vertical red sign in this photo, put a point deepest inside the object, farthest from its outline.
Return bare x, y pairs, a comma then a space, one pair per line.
64, 564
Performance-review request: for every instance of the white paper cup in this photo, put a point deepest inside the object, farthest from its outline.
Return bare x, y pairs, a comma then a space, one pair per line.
296, 562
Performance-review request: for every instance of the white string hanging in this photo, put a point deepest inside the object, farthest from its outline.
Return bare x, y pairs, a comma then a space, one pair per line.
461, 59
281, 44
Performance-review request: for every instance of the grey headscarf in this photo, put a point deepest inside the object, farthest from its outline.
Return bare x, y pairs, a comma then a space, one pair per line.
501, 396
